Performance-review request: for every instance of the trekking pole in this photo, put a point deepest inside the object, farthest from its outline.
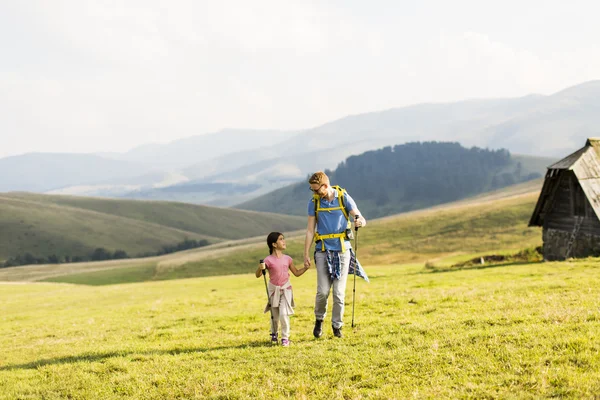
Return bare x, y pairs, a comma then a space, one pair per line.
356, 217
264, 272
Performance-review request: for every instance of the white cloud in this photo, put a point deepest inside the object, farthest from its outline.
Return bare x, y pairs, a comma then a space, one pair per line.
98, 76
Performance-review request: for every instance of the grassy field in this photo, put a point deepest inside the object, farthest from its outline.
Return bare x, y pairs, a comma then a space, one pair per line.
512, 331
520, 331
67, 225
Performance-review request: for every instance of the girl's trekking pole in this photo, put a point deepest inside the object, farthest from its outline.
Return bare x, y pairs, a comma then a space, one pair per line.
264, 272
356, 217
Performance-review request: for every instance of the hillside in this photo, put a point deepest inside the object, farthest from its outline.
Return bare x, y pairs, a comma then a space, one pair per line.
411, 176
44, 225
497, 222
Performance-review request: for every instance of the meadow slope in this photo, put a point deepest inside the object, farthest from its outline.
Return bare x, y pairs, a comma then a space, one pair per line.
496, 222
518, 331
67, 225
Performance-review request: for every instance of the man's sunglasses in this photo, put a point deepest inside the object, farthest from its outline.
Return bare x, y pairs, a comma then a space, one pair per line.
316, 190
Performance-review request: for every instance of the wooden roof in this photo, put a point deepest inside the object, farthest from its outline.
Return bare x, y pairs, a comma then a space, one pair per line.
585, 164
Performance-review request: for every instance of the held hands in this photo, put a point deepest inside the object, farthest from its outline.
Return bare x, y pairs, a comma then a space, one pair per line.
307, 262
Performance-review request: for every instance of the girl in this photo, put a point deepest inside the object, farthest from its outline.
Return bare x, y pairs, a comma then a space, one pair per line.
281, 299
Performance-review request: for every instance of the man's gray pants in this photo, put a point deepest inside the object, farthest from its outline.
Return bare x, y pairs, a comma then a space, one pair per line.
325, 284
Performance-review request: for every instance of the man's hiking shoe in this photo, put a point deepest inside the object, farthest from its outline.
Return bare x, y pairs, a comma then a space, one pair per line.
337, 332
273, 338
285, 342
318, 331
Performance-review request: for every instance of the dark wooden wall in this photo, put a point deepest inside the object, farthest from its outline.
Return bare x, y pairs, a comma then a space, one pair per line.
570, 201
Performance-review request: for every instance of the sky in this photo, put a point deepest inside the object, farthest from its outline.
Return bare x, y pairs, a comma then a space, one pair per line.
99, 76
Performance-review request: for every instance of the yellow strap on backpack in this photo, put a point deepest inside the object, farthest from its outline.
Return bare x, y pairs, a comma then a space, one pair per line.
341, 236
342, 207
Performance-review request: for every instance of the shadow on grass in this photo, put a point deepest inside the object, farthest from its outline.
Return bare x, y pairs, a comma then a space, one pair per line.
439, 270
94, 357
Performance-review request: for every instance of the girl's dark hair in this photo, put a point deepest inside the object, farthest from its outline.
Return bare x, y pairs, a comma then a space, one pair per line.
272, 238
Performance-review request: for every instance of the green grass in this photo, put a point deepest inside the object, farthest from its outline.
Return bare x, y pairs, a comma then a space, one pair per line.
138, 273
522, 331
67, 225
498, 331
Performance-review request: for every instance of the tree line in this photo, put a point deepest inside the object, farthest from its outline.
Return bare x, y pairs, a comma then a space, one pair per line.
421, 174
99, 254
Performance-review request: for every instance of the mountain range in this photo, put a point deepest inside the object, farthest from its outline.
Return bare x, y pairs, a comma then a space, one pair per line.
233, 166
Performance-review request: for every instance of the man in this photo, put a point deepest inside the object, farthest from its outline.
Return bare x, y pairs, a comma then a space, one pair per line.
329, 214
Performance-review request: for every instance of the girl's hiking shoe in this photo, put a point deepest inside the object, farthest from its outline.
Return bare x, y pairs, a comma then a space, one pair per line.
285, 342
274, 338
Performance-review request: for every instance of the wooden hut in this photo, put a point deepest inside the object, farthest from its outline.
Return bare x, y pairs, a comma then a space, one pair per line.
568, 208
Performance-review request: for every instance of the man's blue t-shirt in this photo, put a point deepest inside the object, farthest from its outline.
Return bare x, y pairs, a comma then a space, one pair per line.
333, 221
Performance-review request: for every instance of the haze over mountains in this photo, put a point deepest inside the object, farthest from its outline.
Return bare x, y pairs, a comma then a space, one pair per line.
410, 176
206, 169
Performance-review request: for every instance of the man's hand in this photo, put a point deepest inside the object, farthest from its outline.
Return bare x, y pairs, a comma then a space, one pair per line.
359, 221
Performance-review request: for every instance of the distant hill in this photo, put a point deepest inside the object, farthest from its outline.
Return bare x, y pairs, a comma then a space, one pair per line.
534, 125
183, 153
411, 176
46, 225
537, 125
199, 166
233, 186
558, 125
142, 168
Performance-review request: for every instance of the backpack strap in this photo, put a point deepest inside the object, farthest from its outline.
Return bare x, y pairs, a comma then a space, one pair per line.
342, 207
341, 193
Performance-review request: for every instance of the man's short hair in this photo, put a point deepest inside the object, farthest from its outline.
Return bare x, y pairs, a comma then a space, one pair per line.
319, 178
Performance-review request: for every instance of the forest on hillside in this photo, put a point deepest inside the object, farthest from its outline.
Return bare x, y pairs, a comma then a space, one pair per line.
419, 174
407, 177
